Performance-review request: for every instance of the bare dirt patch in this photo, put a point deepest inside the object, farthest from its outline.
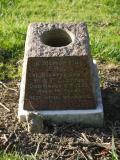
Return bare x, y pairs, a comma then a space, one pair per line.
66, 141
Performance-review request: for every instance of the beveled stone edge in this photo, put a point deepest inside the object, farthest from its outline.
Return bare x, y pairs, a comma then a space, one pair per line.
93, 117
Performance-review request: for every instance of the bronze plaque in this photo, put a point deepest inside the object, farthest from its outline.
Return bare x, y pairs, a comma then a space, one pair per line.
57, 83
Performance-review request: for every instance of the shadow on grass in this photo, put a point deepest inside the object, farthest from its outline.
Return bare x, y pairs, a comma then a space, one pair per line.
9, 69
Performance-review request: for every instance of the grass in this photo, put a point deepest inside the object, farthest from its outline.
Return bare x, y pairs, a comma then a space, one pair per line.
102, 18
114, 154
16, 156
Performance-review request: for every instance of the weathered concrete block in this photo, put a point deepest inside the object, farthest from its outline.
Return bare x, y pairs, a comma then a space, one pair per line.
59, 78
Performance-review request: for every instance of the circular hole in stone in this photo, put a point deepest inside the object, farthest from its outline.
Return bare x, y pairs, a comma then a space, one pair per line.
57, 37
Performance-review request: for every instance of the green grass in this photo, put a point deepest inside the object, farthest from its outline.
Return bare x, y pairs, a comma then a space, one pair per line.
102, 18
14, 156
114, 154
17, 156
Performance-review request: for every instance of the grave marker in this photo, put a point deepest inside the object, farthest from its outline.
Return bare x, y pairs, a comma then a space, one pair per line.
59, 77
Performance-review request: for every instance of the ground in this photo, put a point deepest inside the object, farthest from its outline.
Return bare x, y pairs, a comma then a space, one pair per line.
66, 141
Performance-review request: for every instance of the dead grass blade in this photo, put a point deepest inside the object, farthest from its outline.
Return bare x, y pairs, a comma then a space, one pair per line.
6, 87
4, 107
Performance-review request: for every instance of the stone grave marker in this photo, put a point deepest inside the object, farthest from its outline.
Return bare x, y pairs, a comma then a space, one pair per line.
59, 80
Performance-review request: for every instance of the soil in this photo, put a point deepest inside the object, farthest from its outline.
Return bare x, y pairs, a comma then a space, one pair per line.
64, 141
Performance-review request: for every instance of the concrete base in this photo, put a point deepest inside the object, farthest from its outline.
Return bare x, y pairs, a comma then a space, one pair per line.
90, 117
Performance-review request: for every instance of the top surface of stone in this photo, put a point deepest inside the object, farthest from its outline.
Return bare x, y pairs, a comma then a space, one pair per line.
75, 34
